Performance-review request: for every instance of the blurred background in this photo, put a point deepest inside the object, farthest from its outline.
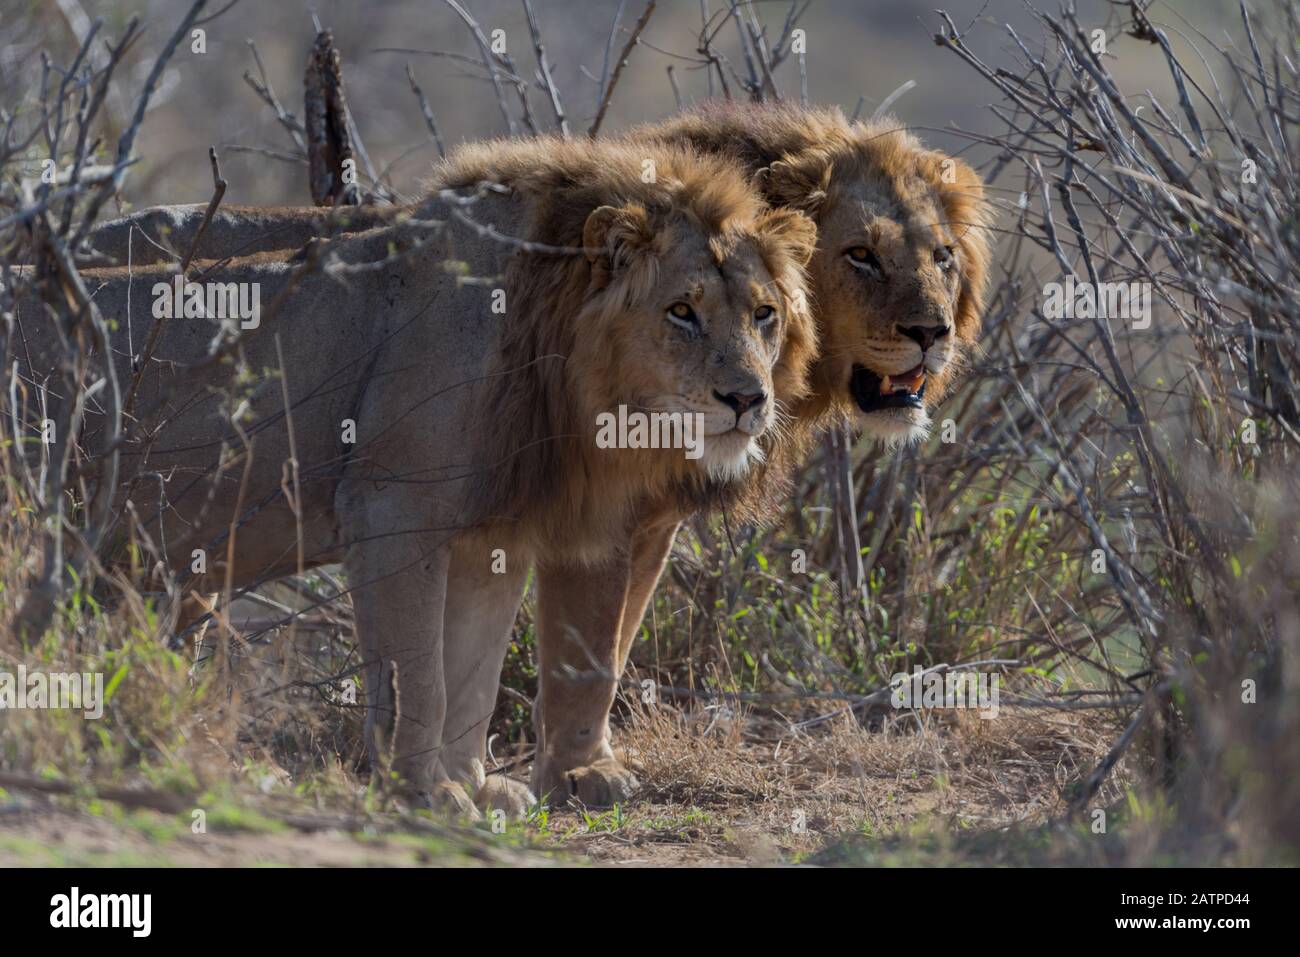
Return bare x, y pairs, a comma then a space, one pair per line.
855, 51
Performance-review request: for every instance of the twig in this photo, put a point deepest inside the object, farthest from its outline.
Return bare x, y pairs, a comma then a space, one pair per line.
1093, 784
618, 68
485, 52
427, 113
218, 191
545, 68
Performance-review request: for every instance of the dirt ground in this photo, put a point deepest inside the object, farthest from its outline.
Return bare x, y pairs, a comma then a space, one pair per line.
716, 790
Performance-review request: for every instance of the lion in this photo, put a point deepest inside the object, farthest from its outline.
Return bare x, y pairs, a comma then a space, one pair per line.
898, 282
434, 436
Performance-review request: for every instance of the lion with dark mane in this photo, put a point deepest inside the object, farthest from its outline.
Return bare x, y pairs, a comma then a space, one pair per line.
563, 482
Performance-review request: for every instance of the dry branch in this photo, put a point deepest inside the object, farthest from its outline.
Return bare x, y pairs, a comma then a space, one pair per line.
332, 165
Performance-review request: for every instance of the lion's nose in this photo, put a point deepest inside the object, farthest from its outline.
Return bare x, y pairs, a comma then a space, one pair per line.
741, 402
924, 336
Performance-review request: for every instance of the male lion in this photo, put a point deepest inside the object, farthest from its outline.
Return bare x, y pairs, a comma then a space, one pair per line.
434, 435
897, 282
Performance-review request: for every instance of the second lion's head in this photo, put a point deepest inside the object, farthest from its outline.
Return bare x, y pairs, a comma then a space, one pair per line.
901, 268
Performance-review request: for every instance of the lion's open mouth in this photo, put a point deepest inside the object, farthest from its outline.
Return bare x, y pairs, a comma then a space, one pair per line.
874, 393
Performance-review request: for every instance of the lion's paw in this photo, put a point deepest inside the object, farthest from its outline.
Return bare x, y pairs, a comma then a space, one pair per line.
602, 783
500, 793
450, 799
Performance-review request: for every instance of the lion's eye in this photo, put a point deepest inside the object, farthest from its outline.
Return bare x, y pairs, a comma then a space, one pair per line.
943, 257
680, 314
764, 314
860, 257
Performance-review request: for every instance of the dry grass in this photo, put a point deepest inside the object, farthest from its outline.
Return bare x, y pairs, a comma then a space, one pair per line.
279, 767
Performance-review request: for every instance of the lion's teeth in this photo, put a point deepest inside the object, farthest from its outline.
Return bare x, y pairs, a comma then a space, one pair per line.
884, 386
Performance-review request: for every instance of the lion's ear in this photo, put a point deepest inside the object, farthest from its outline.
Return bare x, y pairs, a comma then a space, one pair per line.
948, 173
795, 232
798, 180
615, 237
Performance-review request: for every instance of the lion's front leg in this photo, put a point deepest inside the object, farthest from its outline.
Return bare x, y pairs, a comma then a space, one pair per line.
399, 594
650, 548
484, 590
580, 613
585, 615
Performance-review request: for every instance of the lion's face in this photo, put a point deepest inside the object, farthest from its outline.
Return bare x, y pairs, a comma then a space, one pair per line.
712, 336
720, 332
888, 283
898, 277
